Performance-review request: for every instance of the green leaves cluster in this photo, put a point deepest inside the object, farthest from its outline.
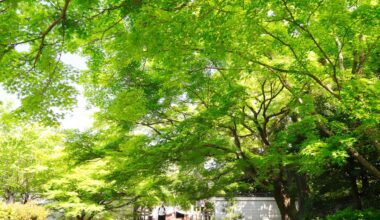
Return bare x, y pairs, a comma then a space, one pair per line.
205, 98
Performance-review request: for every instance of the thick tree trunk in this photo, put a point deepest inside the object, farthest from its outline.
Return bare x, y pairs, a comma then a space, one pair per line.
354, 187
303, 195
285, 204
82, 216
91, 217
9, 196
365, 183
26, 198
135, 212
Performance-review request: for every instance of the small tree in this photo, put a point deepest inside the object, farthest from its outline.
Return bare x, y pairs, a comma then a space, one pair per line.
230, 211
26, 157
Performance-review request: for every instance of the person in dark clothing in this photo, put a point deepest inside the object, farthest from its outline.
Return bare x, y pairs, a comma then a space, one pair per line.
179, 215
161, 212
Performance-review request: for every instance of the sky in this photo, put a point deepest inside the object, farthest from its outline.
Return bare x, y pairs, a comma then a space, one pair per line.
81, 117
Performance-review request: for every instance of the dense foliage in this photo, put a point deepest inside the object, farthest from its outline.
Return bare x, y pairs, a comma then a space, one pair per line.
27, 160
22, 212
202, 98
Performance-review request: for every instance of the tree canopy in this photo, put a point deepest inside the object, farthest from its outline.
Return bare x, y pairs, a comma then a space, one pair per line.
203, 98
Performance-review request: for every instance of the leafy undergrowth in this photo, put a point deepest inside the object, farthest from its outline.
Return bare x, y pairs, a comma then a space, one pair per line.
22, 212
349, 214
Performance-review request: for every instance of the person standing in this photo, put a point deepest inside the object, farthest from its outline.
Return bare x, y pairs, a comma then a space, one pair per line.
161, 212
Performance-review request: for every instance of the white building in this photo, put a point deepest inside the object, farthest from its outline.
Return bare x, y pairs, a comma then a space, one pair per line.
254, 208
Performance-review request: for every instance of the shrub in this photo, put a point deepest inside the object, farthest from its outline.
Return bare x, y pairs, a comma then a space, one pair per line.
27, 211
349, 214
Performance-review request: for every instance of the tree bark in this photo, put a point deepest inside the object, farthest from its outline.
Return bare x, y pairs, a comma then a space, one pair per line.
365, 183
364, 162
91, 216
81, 216
340, 53
9, 197
285, 203
135, 212
303, 194
26, 198
351, 150
354, 187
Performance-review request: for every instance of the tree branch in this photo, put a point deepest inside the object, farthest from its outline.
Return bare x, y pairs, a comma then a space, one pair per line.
340, 53
311, 36
47, 31
364, 162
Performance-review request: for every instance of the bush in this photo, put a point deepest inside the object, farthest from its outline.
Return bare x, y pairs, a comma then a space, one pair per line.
349, 214
28, 211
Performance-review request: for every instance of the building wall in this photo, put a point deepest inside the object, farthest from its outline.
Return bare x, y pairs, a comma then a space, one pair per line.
250, 208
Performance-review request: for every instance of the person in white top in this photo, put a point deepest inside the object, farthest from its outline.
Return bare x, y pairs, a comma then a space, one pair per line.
161, 212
